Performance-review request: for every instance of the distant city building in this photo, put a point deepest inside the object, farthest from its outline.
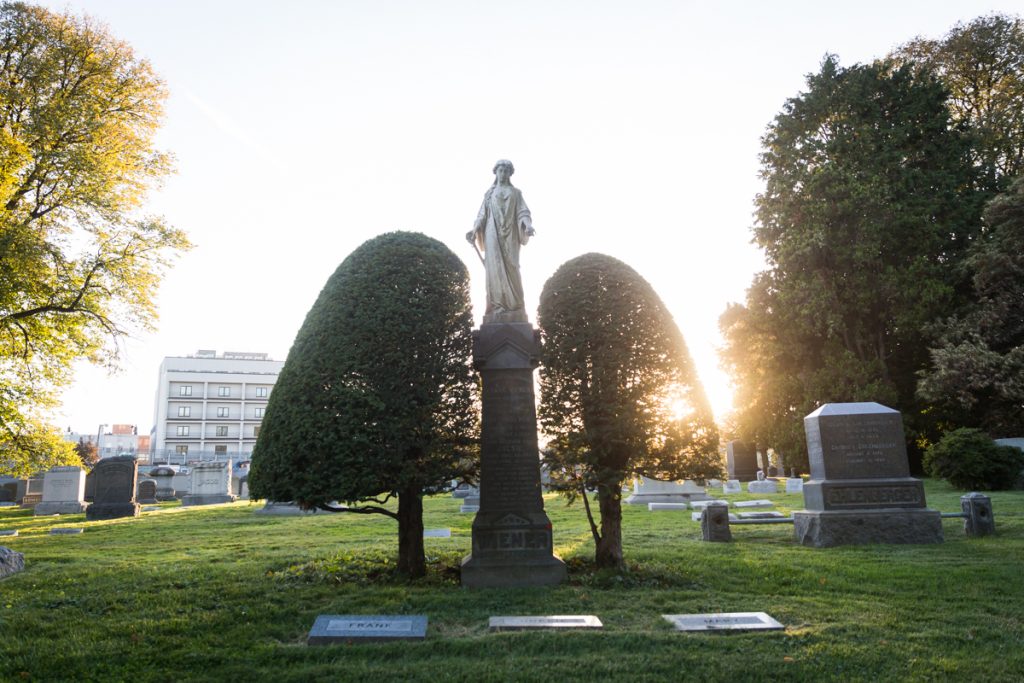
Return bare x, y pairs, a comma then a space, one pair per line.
112, 440
210, 406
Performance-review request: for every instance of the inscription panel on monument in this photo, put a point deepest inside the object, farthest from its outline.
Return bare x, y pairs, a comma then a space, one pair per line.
862, 446
511, 476
852, 497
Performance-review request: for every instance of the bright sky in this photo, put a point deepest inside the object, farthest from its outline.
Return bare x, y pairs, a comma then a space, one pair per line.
302, 129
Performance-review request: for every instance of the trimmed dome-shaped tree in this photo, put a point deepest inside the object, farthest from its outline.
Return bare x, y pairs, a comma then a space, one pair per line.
376, 399
619, 394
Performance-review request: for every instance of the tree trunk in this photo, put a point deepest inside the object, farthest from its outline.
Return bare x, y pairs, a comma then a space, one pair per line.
609, 547
411, 560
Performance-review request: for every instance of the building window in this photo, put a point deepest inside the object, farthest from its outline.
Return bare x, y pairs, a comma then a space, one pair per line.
185, 390
181, 450
223, 391
222, 431
258, 412
182, 430
184, 411
223, 412
261, 392
256, 430
220, 450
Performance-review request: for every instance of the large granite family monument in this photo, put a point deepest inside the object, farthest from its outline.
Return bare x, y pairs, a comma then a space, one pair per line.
512, 540
860, 489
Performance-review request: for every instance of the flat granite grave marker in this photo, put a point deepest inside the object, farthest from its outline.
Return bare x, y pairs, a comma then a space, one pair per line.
437, 533
860, 490
559, 622
65, 532
114, 481
724, 621
63, 492
651, 507
761, 503
8, 532
646, 491
366, 628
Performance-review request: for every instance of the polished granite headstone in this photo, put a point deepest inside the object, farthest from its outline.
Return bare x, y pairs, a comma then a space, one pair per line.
114, 482
512, 540
329, 629
741, 460
146, 492
860, 490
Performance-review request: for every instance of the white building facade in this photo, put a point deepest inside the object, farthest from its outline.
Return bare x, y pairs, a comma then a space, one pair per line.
210, 406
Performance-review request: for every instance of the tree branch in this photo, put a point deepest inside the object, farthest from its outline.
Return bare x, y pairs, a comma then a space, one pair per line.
368, 510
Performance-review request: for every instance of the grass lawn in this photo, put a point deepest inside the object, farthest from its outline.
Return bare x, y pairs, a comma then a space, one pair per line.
222, 594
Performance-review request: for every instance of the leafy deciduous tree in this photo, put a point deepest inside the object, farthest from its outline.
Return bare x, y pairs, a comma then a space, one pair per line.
377, 398
79, 267
619, 393
868, 199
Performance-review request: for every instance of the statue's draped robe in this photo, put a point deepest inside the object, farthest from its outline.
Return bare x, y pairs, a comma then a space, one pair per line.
499, 233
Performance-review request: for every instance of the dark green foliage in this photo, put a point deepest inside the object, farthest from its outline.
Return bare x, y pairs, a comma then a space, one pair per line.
977, 372
867, 202
970, 460
376, 398
619, 394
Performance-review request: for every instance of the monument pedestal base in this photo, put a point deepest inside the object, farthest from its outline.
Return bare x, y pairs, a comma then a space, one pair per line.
512, 550
829, 528
60, 508
207, 499
111, 511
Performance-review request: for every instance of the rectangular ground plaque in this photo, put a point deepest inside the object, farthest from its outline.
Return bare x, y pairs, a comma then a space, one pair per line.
723, 621
62, 532
651, 507
762, 503
8, 532
701, 504
553, 622
766, 514
437, 533
343, 628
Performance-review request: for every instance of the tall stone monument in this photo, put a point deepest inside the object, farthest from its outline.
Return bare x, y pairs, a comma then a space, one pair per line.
512, 539
860, 490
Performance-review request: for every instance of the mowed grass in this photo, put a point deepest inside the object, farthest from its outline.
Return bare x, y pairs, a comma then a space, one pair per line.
222, 594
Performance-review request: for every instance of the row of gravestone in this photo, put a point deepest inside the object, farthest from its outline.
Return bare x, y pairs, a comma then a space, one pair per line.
116, 490
330, 629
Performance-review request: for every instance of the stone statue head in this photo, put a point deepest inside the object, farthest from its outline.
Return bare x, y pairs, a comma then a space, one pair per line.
504, 162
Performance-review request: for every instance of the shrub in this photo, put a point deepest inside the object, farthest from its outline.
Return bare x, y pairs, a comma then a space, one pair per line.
969, 459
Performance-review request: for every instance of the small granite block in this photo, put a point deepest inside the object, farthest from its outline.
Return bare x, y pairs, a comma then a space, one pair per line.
714, 524
651, 507
559, 622
765, 486
724, 621
826, 529
8, 532
732, 486
701, 504
366, 628
11, 562
65, 532
695, 516
794, 485
762, 503
437, 533
978, 517
761, 515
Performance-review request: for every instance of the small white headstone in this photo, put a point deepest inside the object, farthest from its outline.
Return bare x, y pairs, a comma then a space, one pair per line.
732, 486
763, 486
794, 485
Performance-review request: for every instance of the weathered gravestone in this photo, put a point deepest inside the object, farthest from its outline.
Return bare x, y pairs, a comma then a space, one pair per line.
329, 629
146, 492
732, 486
512, 540
860, 490
741, 460
794, 485
11, 562
211, 484
714, 523
164, 477
114, 495
762, 485
978, 517
647, 491
90, 487
63, 492
8, 492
